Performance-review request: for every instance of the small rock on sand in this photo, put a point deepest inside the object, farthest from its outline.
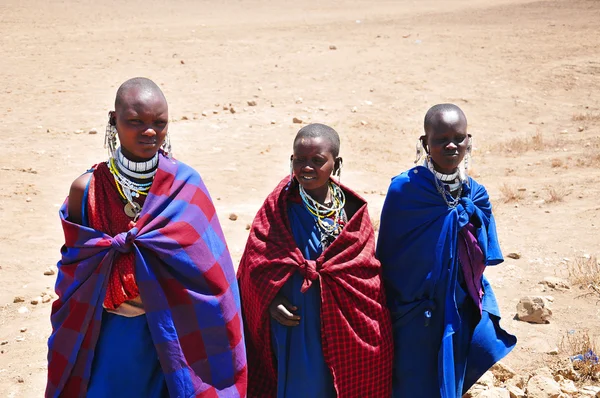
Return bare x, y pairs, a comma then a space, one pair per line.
233, 217
251, 103
332, 47
93, 131
49, 271
534, 309
297, 120
514, 255
36, 300
555, 283
19, 299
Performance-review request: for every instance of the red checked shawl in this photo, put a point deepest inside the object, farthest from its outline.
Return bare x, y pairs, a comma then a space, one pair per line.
356, 327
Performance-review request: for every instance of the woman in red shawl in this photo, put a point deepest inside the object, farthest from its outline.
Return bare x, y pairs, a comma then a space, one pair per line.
312, 297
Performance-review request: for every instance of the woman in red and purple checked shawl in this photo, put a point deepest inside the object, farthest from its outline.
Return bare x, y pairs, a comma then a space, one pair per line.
311, 288
148, 300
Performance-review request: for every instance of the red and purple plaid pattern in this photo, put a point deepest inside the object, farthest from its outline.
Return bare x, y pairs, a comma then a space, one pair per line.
186, 282
356, 326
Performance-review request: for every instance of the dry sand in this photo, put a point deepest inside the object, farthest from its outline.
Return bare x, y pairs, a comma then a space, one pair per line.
517, 68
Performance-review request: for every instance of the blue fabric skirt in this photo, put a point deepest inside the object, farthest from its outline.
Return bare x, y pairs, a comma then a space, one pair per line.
125, 361
301, 368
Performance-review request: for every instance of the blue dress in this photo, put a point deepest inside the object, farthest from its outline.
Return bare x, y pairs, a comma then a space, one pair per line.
301, 368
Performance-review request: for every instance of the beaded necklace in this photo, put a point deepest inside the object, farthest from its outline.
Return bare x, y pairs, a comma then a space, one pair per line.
329, 217
125, 172
446, 190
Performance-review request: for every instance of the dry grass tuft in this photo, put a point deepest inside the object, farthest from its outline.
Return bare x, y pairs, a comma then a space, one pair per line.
557, 163
586, 117
556, 194
519, 145
585, 272
589, 161
583, 350
510, 193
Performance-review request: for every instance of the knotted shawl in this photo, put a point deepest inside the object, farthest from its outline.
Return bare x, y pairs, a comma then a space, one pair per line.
356, 330
186, 281
418, 250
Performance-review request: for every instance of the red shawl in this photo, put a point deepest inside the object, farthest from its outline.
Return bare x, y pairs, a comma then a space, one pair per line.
356, 327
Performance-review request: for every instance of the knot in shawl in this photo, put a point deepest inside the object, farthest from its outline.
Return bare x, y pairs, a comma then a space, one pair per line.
122, 242
355, 324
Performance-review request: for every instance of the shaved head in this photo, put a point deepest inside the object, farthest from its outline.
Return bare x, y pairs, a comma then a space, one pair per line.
139, 87
315, 130
442, 116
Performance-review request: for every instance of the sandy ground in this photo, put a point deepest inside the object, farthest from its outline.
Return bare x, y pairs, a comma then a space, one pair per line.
519, 69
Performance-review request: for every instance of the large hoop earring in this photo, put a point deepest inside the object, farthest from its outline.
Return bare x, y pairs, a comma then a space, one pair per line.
110, 136
291, 170
166, 146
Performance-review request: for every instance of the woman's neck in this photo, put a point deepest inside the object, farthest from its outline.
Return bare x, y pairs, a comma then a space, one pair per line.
321, 194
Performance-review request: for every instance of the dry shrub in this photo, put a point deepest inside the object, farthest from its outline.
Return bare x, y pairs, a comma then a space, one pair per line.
585, 272
556, 194
510, 193
586, 117
583, 350
556, 163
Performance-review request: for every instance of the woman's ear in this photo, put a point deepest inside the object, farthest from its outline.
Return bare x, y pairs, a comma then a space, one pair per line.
111, 118
423, 139
337, 166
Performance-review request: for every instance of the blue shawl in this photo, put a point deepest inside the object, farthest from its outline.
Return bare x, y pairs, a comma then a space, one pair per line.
418, 250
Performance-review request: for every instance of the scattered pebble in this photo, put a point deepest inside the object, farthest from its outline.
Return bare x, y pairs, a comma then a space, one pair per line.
553, 351
36, 300
20, 379
251, 103
233, 217
49, 271
184, 118
19, 339
368, 103
19, 299
248, 226
534, 309
23, 310
332, 47
514, 255
354, 109
273, 122
580, 128
299, 100
182, 62
363, 122
204, 113
46, 299
297, 120
23, 330
79, 131
28, 199
93, 131
226, 107
232, 109
4, 342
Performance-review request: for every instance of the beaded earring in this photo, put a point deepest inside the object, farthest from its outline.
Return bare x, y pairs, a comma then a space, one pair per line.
110, 136
419, 151
338, 172
166, 146
468, 159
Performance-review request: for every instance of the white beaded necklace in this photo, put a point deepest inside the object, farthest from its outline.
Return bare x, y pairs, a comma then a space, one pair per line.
456, 186
329, 217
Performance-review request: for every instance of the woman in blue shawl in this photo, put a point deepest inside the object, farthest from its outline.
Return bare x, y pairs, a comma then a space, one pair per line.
437, 235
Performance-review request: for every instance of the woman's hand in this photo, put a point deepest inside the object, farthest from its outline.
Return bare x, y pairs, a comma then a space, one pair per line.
281, 310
